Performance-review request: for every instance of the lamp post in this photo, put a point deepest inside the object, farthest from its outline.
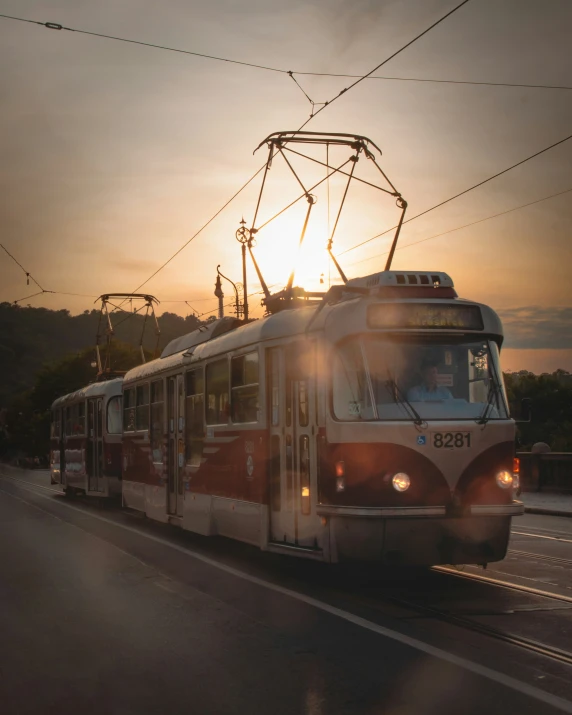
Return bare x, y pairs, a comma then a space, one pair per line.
242, 236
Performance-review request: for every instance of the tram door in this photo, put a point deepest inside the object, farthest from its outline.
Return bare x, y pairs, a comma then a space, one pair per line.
94, 456
176, 460
292, 461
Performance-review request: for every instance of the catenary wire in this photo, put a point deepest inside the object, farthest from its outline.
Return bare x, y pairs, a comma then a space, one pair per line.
57, 26
17, 262
192, 238
461, 193
385, 61
467, 225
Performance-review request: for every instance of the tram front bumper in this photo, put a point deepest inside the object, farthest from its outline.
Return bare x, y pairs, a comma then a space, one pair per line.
420, 536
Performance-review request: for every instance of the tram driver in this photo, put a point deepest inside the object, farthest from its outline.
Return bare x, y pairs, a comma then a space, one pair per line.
429, 390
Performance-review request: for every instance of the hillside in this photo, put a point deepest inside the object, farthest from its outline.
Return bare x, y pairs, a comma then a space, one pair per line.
32, 337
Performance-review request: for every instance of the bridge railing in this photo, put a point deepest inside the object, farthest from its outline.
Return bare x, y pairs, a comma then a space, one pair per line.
549, 472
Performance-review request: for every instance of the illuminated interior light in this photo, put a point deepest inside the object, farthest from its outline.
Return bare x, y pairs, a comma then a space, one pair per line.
401, 482
340, 484
305, 491
505, 479
516, 465
340, 469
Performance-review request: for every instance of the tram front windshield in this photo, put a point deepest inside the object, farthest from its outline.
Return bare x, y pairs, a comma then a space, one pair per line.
395, 378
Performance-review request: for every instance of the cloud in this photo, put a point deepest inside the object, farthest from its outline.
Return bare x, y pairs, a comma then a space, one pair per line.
538, 327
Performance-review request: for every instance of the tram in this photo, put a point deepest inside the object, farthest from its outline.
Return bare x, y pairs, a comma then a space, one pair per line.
370, 426
86, 438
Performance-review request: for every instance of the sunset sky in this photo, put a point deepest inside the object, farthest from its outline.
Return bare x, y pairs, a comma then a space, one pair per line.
113, 155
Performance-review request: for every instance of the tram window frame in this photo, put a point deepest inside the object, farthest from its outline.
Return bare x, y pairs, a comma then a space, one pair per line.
194, 416
142, 407
72, 420
244, 392
217, 414
129, 409
157, 419
273, 386
81, 418
111, 429
56, 425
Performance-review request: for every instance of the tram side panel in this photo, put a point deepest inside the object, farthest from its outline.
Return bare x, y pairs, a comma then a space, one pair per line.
207, 478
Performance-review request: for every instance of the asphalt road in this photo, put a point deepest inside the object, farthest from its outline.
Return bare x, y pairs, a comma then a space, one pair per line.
103, 612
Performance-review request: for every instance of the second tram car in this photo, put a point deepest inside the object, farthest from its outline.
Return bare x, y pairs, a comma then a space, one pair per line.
86, 438
373, 427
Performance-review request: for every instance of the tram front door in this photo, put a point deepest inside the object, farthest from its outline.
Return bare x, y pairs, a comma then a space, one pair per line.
292, 419
176, 453
94, 456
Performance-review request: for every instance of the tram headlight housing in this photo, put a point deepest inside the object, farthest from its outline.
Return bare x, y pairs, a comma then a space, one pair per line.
401, 482
505, 479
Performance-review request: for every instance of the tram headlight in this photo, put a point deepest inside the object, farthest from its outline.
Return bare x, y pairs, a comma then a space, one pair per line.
505, 479
401, 482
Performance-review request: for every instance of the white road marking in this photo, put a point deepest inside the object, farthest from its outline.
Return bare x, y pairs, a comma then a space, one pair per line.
543, 536
505, 680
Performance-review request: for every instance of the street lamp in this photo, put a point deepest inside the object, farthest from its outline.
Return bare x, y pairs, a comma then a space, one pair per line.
242, 236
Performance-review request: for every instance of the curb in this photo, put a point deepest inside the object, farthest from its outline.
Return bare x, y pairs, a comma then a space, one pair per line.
547, 512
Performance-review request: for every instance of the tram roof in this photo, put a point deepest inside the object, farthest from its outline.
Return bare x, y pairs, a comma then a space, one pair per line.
337, 321
107, 388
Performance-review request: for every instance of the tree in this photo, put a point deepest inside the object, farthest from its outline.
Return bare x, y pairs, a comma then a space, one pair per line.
551, 398
28, 417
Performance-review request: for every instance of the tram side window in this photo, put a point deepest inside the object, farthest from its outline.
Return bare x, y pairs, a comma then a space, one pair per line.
194, 425
217, 392
157, 414
244, 387
129, 410
142, 410
114, 409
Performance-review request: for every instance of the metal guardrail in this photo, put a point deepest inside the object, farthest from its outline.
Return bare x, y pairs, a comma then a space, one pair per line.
549, 472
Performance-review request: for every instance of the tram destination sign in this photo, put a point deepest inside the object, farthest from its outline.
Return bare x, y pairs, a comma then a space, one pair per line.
425, 316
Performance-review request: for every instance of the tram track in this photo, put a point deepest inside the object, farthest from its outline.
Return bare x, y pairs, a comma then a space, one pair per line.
528, 644
541, 557
504, 584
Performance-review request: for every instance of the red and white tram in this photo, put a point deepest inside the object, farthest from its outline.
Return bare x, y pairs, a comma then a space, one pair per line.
372, 427
86, 436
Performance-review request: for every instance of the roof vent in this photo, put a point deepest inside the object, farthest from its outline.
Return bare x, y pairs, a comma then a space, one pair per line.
394, 278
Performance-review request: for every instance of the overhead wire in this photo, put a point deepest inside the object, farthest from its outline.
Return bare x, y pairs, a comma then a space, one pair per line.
388, 59
57, 26
29, 276
466, 225
201, 229
278, 70
461, 193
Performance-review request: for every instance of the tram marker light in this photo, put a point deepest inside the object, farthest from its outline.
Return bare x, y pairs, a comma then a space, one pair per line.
505, 479
340, 476
401, 482
516, 465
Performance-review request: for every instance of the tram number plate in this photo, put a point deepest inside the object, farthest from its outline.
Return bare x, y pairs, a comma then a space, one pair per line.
451, 440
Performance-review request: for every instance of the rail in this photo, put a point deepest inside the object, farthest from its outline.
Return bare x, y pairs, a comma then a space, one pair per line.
548, 472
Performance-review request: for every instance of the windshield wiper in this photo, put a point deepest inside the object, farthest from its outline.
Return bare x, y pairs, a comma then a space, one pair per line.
494, 392
396, 391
